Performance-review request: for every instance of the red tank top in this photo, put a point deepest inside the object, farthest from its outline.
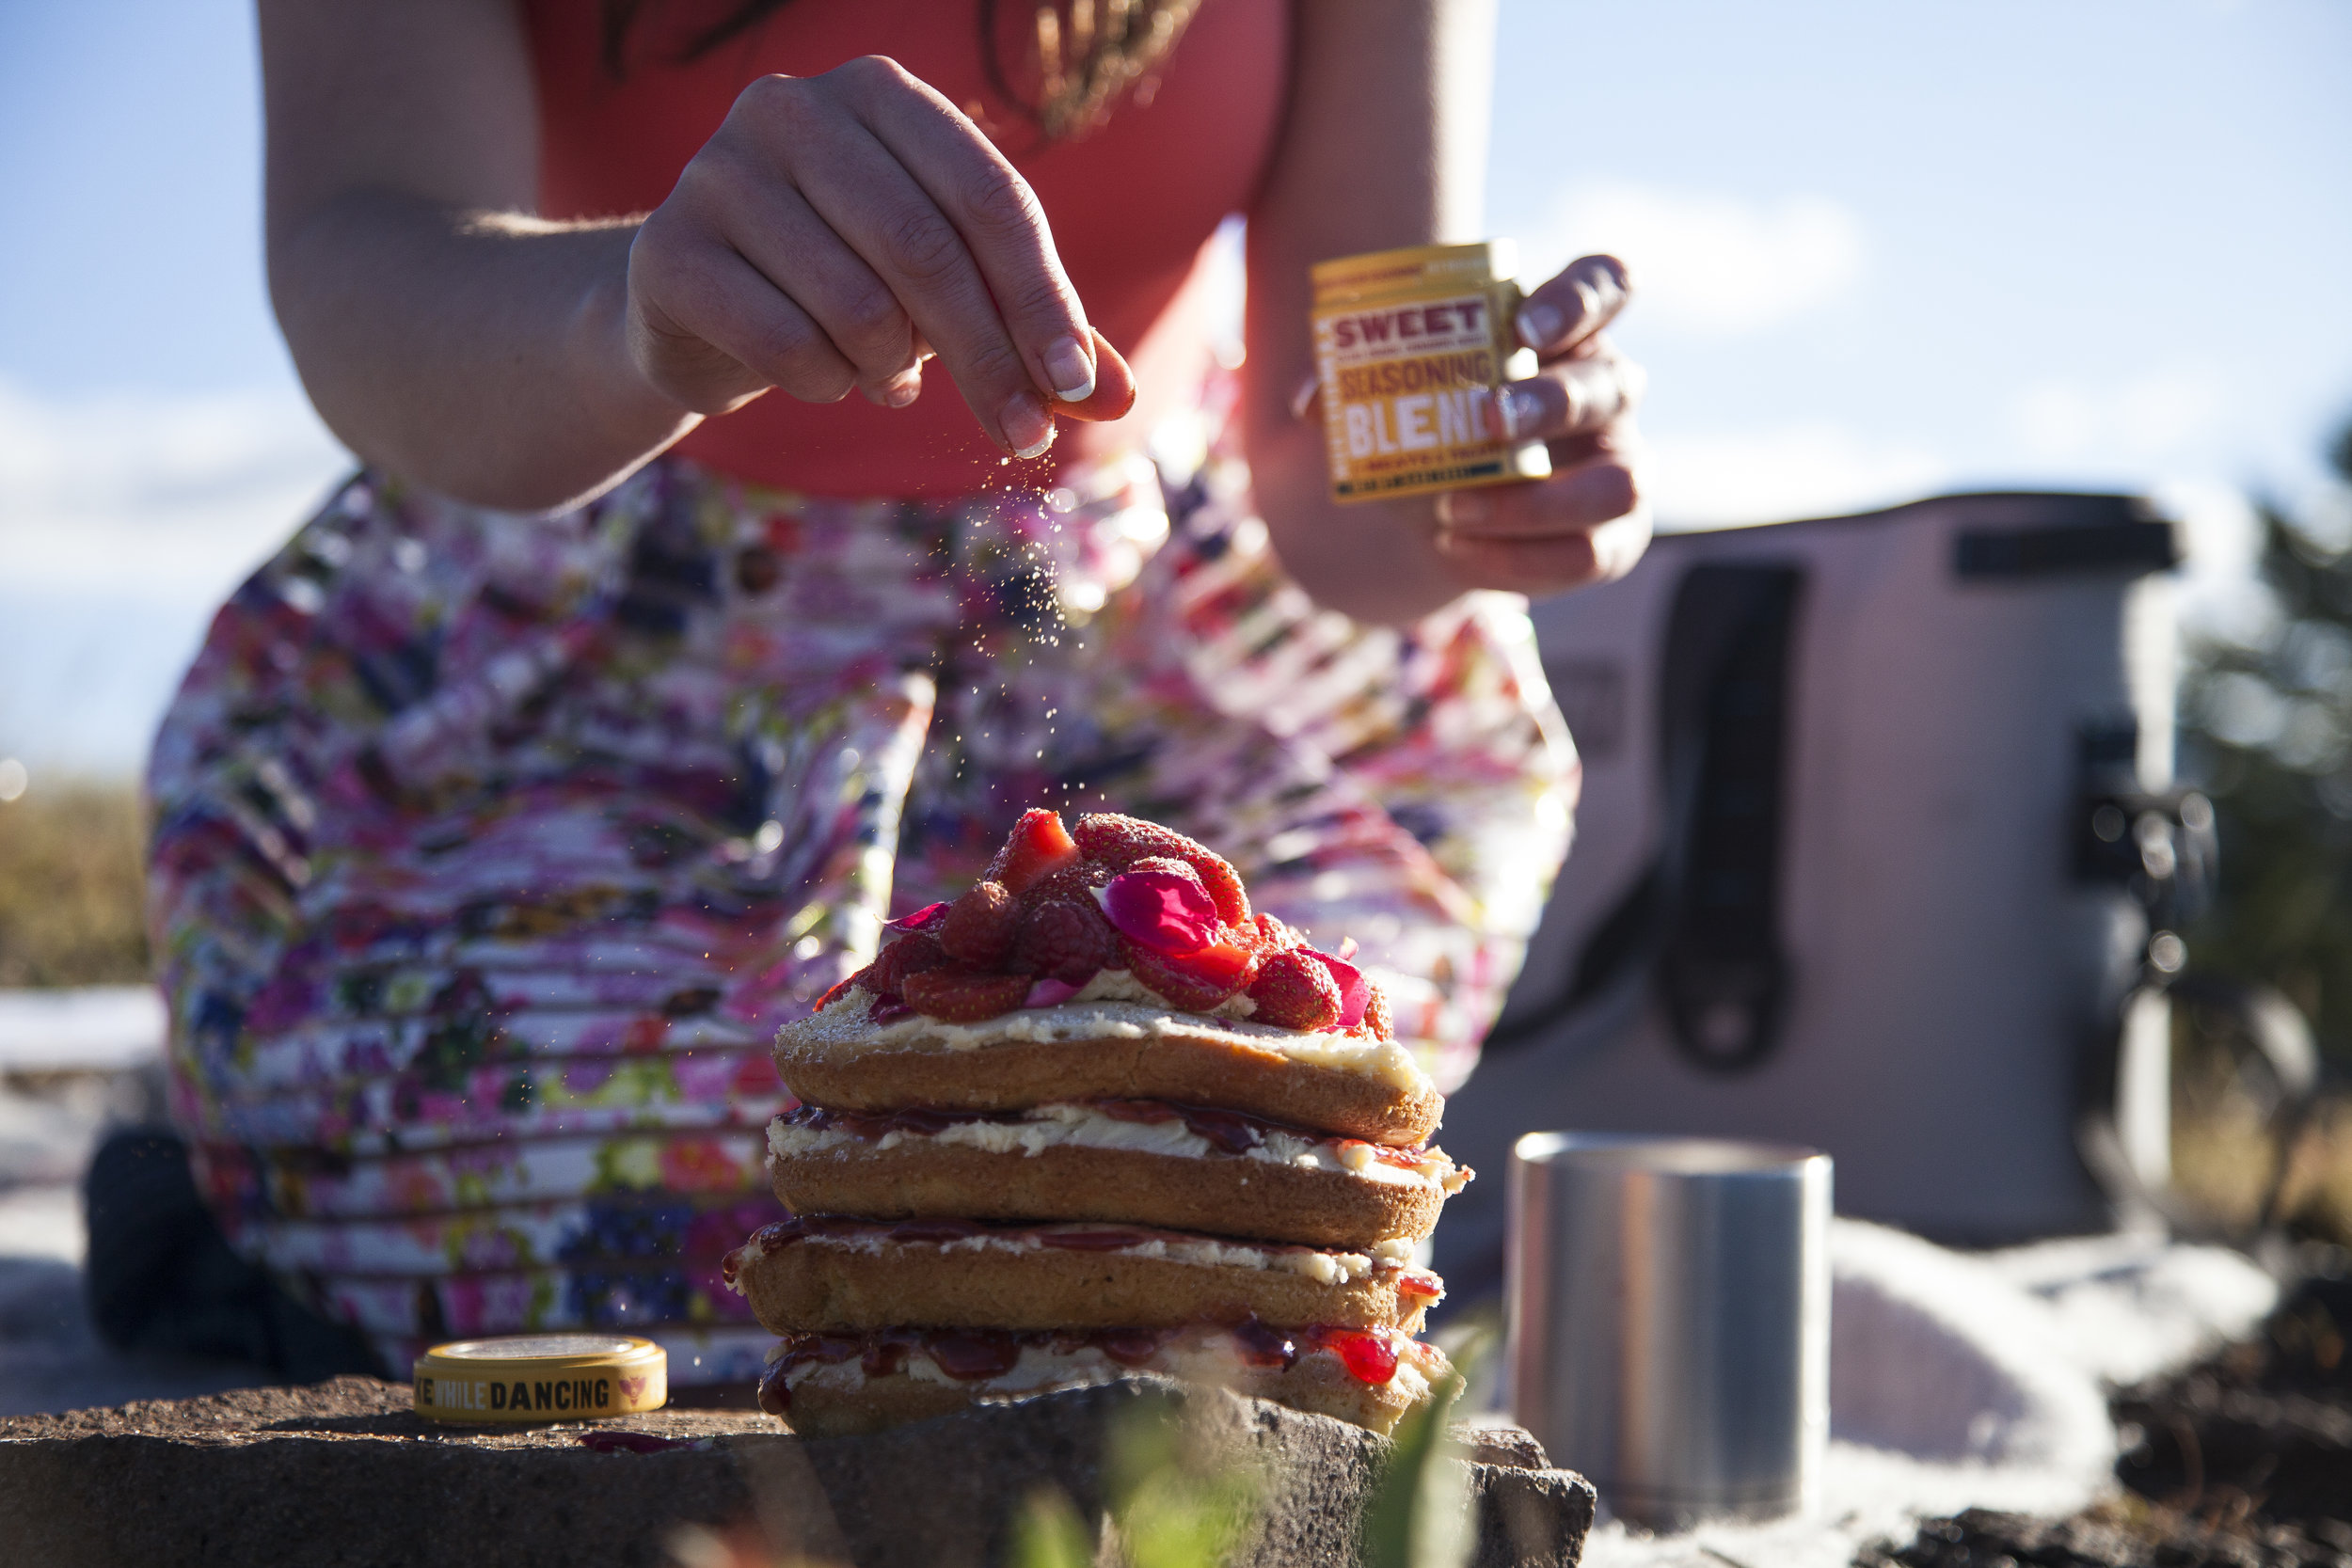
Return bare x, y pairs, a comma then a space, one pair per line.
1131, 205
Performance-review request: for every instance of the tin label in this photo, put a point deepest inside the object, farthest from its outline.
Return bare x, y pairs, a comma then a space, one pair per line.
556, 1377
1410, 353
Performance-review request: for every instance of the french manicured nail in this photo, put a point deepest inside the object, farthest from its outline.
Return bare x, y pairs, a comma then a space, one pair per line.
1028, 429
1070, 369
1540, 324
1521, 410
1462, 508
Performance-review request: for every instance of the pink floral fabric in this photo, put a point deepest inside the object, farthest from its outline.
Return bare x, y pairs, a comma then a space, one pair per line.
491, 850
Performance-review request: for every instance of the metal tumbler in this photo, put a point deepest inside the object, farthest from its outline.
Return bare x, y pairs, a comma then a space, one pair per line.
1669, 1319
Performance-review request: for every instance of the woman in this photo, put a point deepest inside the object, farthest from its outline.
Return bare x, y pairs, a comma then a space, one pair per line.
594, 729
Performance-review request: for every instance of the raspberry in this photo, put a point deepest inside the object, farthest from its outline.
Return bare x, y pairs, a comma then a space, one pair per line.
1074, 883
1377, 1015
1295, 991
1120, 841
1064, 941
909, 956
980, 925
1039, 844
1196, 982
956, 994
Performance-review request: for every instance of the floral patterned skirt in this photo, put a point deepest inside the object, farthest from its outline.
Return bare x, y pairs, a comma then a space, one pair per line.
491, 850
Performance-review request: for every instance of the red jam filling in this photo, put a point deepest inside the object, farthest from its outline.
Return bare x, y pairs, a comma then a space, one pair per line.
1262, 1346
1368, 1355
1417, 1282
974, 1356
1227, 1131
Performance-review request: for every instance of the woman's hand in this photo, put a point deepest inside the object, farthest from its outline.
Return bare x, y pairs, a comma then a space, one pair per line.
1588, 522
834, 233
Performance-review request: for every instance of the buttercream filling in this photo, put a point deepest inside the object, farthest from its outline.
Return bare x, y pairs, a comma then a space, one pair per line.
1146, 1127
871, 1237
1102, 1010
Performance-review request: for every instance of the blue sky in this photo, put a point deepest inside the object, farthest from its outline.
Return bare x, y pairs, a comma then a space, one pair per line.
1887, 249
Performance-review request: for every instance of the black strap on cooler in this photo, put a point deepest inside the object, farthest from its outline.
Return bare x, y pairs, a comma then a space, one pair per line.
1702, 918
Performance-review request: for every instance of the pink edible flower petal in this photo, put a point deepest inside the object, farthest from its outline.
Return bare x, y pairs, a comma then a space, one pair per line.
1347, 948
887, 1010
1049, 993
921, 920
1164, 911
1355, 991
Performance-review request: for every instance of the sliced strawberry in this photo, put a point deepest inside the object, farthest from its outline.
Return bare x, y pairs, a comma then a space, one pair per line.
954, 994
1354, 989
980, 925
1377, 1015
1294, 990
1195, 982
1065, 941
1120, 841
1161, 904
1039, 844
1276, 936
912, 955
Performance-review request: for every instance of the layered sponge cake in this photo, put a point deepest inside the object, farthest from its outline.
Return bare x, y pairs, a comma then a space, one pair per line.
1098, 1116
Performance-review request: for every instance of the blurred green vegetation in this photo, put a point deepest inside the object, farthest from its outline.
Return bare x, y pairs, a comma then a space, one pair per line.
70, 858
1176, 1501
2266, 731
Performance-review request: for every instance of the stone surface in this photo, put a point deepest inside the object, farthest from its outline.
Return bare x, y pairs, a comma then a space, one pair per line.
343, 1472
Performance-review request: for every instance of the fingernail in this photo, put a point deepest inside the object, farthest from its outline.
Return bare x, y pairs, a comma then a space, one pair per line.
903, 391
1304, 397
1028, 429
1461, 508
1523, 411
1540, 324
1070, 369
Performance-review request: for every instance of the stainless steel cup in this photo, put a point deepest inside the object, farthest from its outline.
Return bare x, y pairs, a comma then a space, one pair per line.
1669, 1319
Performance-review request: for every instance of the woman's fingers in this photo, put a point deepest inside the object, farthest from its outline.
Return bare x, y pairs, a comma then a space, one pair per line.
878, 220
1554, 565
1577, 395
998, 216
1586, 523
1114, 387
711, 332
1573, 307
774, 228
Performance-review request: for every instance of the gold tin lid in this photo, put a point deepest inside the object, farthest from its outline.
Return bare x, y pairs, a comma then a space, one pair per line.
1354, 279
541, 1377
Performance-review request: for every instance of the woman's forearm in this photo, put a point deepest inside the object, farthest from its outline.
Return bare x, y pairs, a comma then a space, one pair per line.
481, 355
1384, 146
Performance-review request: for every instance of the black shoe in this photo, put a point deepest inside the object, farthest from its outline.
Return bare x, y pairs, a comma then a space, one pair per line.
160, 1277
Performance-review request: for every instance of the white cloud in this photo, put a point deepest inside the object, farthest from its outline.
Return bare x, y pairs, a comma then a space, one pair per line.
2147, 416
123, 520
1805, 470
159, 497
1716, 265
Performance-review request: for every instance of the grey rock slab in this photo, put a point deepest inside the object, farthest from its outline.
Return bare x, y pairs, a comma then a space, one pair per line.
344, 1473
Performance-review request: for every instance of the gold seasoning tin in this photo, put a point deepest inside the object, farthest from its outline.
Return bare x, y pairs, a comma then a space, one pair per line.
541, 1377
1410, 347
